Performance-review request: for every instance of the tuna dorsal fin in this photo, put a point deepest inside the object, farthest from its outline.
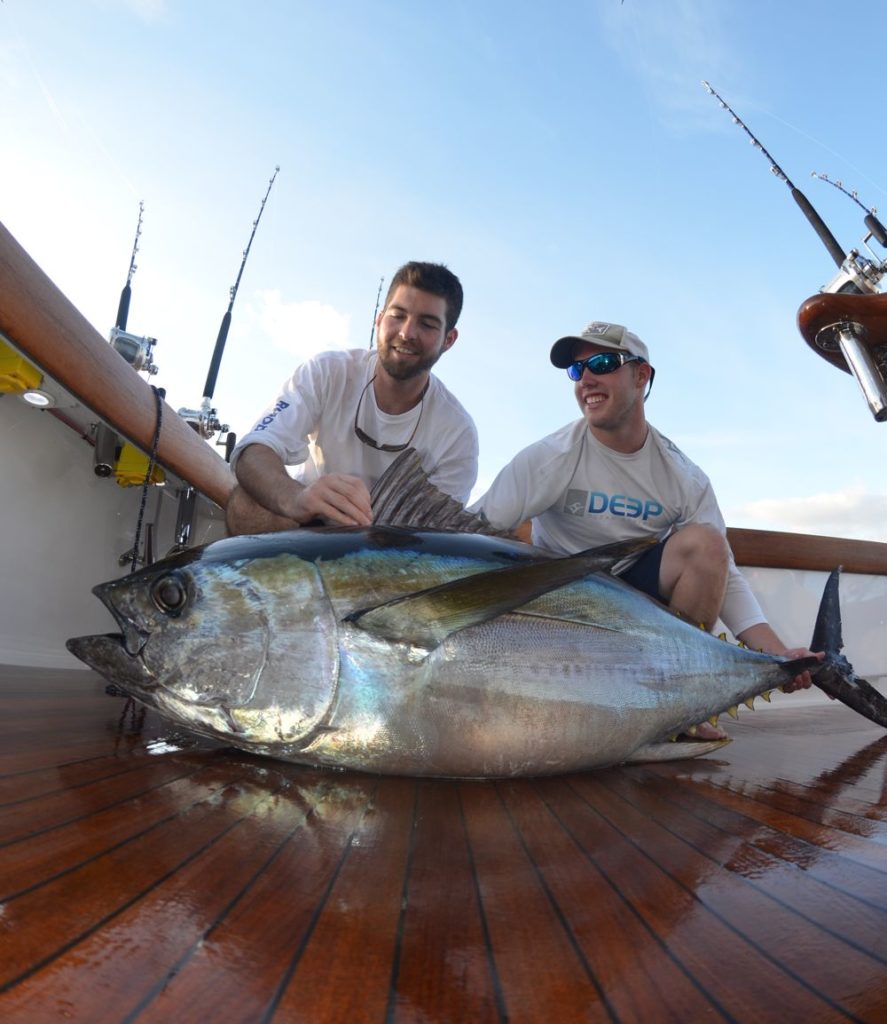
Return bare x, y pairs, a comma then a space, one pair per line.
428, 617
404, 496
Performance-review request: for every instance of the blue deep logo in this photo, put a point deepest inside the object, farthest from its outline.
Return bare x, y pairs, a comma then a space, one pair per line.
596, 503
623, 505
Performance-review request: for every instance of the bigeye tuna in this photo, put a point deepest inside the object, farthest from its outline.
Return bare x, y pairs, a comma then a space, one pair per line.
410, 651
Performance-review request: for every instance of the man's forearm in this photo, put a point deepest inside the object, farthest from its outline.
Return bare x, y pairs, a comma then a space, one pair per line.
762, 637
260, 471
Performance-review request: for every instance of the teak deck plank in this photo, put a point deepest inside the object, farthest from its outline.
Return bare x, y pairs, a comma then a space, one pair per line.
738, 978
542, 972
237, 968
780, 934
444, 968
639, 979
149, 876
731, 842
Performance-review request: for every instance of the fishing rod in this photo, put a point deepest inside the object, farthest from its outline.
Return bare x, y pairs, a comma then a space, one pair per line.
208, 423
205, 420
816, 222
852, 341
126, 294
136, 350
857, 275
376, 312
875, 227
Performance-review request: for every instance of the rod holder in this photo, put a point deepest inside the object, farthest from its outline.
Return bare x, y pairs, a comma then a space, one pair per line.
185, 517
849, 338
105, 451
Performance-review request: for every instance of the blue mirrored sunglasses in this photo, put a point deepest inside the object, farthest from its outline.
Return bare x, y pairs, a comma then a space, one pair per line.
601, 363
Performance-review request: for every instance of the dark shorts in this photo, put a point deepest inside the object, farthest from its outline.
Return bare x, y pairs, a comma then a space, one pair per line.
644, 574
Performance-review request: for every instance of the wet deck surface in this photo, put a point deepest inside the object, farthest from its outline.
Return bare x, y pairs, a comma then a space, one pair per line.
152, 877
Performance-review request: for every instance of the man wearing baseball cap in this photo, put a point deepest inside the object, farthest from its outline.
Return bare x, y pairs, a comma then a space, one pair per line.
612, 476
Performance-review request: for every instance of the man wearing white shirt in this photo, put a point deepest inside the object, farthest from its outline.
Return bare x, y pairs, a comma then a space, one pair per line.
343, 417
612, 476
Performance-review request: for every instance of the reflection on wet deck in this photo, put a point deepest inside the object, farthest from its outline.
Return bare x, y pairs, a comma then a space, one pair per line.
146, 875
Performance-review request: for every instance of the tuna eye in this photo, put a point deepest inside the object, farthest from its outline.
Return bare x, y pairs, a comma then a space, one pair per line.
169, 594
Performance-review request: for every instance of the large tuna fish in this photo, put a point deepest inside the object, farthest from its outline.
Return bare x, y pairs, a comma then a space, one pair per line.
409, 651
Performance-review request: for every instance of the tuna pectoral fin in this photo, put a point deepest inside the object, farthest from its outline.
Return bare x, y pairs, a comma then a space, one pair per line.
675, 751
428, 617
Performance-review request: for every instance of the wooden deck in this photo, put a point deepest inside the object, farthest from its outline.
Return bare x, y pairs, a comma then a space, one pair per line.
148, 876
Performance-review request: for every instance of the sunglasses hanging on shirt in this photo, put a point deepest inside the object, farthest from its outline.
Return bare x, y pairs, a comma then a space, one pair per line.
365, 438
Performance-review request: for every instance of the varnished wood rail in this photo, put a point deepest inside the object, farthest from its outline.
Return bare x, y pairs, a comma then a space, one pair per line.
771, 549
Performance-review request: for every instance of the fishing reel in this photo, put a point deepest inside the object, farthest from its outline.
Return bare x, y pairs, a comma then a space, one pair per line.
204, 421
138, 352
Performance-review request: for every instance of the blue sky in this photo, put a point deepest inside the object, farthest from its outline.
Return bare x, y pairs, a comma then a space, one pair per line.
564, 160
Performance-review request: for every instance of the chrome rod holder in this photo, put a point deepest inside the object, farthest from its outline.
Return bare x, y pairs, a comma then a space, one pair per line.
185, 511
849, 338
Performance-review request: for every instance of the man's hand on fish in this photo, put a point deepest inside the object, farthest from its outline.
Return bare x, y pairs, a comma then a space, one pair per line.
804, 680
337, 499
270, 499
762, 637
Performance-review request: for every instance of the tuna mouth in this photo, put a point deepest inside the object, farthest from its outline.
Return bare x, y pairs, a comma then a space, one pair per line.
131, 635
107, 654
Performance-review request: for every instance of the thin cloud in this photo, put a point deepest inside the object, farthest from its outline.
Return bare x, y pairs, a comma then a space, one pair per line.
664, 44
302, 328
852, 512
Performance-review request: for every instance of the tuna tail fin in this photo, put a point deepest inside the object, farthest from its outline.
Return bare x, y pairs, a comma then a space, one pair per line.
827, 631
404, 496
835, 675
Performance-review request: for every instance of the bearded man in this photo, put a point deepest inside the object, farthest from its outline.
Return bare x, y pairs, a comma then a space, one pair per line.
343, 417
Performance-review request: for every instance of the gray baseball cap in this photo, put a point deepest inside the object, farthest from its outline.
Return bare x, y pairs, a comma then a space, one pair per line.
606, 335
